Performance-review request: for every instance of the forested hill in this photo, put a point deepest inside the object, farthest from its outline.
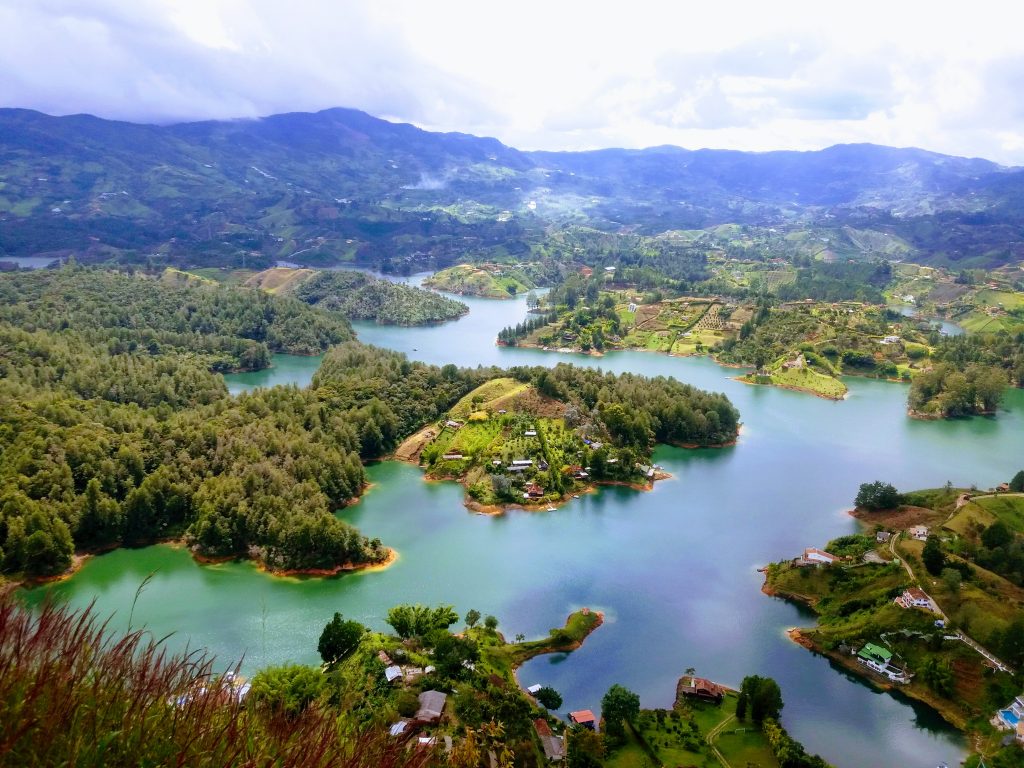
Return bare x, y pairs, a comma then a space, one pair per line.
359, 296
230, 328
342, 185
116, 431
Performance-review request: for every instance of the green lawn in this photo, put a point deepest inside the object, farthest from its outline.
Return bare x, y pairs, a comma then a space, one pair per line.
1009, 509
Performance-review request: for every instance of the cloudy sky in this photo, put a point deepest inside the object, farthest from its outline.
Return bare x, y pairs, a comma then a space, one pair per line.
544, 75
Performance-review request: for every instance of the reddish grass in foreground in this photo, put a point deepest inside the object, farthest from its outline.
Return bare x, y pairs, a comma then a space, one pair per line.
73, 693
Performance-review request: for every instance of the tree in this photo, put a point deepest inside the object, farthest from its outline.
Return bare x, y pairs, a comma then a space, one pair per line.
1017, 483
583, 748
472, 617
548, 697
491, 623
618, 707
877, 495
938, 675
339, 639
288, 689
417, 620
762, 696
953, 579
996, 535
451, 654
932, 556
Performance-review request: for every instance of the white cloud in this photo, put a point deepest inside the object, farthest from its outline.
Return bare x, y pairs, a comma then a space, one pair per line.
552, 75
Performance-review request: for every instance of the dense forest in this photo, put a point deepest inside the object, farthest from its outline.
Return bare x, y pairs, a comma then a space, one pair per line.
946, 390
231, 328
118, 430
638, 411
359, 296
1001, 350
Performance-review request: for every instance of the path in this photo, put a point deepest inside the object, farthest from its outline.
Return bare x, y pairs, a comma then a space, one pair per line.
713, 734
964, 638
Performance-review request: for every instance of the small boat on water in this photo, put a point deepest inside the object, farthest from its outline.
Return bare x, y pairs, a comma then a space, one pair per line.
551, 507
575, 495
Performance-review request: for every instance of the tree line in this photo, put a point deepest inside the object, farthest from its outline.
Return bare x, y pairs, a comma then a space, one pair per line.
359, 296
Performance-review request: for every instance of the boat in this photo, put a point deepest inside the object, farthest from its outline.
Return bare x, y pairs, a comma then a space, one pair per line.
551, 507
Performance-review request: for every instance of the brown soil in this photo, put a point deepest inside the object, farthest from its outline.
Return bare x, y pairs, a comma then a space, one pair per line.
413, 446
899, 519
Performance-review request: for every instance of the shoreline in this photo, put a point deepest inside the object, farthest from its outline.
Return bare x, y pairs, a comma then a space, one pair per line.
79, 560
802, 637
791, 388
387, 562
500, 509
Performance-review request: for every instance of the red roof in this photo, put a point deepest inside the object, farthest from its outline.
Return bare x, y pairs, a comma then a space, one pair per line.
582, 716
543, 729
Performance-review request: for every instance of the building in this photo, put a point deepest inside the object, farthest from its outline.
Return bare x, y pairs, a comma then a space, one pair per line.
393, 673
431, 706
700, 688
915, 597
453, 457
522, 462
919, 532
813, 556
795, 363
398, 728
882, 536
452, 424
530, 433
585, 718
879, 659
533, 491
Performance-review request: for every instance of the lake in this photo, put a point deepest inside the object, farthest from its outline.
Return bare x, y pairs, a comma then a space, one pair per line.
674, 569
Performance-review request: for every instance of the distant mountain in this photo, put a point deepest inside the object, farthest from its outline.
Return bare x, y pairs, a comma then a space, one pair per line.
341, 184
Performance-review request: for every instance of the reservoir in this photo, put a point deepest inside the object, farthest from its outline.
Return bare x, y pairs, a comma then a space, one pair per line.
673, 569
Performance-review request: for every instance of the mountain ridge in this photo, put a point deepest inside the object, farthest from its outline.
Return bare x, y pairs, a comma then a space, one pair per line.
341, 177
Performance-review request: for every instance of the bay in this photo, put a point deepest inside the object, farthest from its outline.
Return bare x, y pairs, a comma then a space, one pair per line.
674, 569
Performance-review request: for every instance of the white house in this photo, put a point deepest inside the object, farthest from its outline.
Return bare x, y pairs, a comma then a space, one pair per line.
815, 556
919, 532
915, 597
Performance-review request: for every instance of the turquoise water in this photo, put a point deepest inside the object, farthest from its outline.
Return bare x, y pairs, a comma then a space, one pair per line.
673, 569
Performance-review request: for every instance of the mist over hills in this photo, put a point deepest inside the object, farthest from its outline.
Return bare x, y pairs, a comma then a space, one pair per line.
343, 185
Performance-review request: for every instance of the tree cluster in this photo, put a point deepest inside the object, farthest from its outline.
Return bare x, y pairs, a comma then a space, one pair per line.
948, 391
359, 296
877, 496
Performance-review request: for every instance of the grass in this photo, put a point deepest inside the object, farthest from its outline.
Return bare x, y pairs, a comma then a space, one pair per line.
74, 693
502, 659
487, 397
804, 379
1009, 509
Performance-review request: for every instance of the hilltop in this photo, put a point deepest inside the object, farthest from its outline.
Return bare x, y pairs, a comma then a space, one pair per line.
341, 185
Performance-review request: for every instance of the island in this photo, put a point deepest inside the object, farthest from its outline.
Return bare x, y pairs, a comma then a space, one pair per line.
542, 436
927, 600
360, 296
487, 280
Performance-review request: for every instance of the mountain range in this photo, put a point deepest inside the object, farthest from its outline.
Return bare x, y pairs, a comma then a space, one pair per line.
343, 185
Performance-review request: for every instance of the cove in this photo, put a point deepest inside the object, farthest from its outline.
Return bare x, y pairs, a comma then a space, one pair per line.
673, 569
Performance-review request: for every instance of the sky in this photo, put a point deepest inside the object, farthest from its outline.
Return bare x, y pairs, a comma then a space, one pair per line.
548, 74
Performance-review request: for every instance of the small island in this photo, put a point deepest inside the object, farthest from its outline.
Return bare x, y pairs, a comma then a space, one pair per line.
489, 281
926, 600
535, 440
360, 296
